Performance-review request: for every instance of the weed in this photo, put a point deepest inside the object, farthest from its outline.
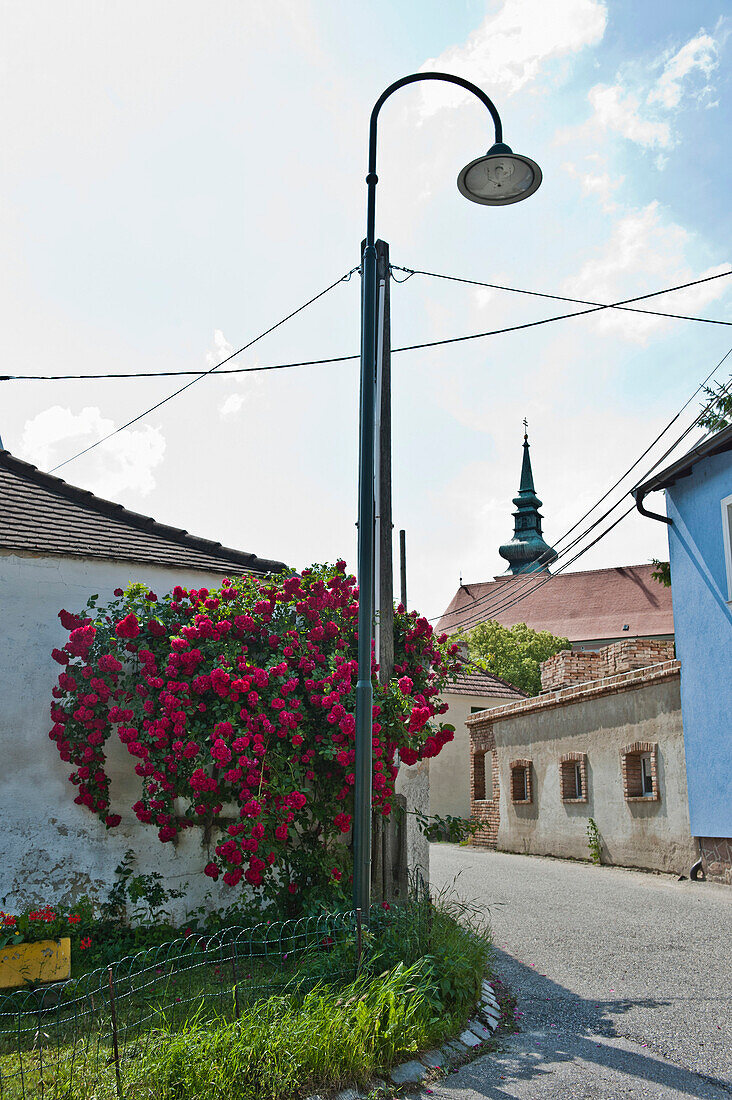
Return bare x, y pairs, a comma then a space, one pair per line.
594, 841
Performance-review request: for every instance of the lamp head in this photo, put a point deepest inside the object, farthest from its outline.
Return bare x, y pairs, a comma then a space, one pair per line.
499, 178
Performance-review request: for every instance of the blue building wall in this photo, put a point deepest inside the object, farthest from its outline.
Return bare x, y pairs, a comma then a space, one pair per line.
703, 628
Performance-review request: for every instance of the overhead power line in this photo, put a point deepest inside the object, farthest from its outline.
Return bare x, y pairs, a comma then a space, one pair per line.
566, 298
492, 602
595, 308
205, 374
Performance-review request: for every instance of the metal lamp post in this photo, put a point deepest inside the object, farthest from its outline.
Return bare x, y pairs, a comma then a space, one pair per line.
496, 179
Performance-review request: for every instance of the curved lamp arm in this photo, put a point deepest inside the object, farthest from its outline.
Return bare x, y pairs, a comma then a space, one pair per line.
372, 178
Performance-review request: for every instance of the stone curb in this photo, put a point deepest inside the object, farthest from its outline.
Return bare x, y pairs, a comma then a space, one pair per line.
414, 1072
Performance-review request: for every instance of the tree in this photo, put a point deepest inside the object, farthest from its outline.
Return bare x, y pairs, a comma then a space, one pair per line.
513, 653
717, 413
662, 572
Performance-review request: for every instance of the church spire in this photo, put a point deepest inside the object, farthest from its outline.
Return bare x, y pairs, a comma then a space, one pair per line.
527, 477
527, 552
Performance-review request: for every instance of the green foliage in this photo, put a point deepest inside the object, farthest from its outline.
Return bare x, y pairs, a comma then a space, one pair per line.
662, 572
453, 829
139, 898
513, 653
594, 842
403, 1002
318, 1029
718, 410
238, 708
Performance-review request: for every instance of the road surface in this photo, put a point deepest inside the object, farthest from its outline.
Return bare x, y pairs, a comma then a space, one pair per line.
624, 979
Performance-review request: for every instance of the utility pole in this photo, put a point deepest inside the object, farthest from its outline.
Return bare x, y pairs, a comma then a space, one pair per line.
403, 567
384, 565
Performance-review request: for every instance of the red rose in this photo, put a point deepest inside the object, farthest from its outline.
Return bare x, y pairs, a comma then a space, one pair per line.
128, 627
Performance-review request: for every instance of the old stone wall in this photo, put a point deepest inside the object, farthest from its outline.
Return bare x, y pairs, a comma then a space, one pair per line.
571, 667
603, 728
716, 854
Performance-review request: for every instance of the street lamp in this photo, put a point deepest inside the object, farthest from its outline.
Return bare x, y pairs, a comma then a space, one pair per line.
496, 179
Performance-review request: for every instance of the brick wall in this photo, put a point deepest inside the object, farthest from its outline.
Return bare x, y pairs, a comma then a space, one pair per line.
716, 853
484, 787
570, 667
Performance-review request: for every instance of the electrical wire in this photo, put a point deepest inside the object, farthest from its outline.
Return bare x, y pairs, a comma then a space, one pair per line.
498, 602
205, 374
565, 316
497, 597
394, 351
562, 297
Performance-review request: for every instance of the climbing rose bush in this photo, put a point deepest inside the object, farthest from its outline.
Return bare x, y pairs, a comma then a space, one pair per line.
238, 706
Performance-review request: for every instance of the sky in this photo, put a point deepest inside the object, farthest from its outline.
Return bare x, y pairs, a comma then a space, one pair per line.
179, 175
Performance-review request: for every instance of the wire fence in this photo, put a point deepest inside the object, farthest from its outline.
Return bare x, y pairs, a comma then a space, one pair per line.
80, 1038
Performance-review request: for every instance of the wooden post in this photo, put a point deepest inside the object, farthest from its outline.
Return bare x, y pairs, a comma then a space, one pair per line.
403, 567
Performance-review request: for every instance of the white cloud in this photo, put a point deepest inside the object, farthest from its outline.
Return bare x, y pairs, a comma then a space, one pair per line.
617, 110
699, 53
600, 184
643, 254
124, 463
513, 45
643, 110
221, 349
233, 402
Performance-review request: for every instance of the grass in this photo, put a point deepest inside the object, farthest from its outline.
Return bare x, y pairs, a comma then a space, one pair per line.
420, 980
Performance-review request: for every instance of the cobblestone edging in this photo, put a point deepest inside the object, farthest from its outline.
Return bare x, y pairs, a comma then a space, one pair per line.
415, 1072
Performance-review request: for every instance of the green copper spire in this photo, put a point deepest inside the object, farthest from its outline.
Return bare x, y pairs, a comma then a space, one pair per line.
527, 552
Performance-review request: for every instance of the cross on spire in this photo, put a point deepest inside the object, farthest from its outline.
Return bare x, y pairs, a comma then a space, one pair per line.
526, 428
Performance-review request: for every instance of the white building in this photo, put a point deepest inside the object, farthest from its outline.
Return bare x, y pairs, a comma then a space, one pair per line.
59, 545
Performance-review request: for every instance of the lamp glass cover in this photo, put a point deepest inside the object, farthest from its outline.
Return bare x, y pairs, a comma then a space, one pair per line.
499, 179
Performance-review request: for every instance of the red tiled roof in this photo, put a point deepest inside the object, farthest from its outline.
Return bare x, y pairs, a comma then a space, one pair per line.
45, 515
591, 605
476, 682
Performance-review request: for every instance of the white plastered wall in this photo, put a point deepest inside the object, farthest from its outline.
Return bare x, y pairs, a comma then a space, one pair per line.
450, 771
53, 850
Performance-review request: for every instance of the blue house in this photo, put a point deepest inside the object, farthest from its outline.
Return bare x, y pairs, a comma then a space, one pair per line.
699, 517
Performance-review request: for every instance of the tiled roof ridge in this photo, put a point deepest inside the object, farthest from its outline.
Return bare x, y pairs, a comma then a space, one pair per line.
557, 576
605, 685
112, 510
500, 679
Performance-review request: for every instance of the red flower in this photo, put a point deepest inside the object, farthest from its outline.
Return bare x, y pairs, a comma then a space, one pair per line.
69, 621
112, 821
74, 918
128, 627
60, 656
342, 822
86, 942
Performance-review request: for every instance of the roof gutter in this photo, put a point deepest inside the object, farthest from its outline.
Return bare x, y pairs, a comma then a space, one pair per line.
639, 496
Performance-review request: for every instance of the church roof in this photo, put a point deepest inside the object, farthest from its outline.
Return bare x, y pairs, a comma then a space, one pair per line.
45, 515
591, 605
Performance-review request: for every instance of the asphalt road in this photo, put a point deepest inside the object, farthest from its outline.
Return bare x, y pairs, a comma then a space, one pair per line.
624, 979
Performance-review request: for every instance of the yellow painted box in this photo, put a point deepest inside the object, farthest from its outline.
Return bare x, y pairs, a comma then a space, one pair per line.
45, 961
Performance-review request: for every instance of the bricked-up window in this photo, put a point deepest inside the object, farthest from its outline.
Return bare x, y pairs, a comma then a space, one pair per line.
573, 777
479, 776
640, 771
521, 781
